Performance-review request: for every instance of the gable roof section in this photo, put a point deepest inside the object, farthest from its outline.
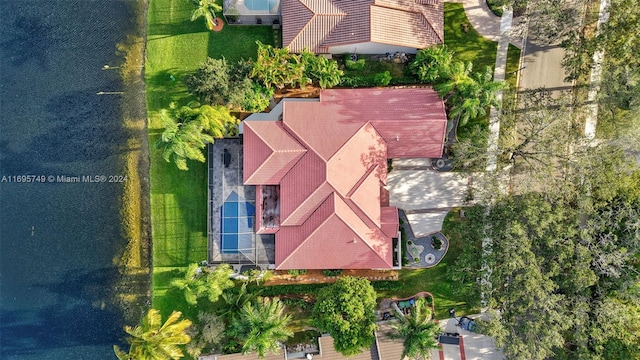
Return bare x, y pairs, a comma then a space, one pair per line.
320, 24
419, 23
273, 154
334, 155
337, 233
412, 121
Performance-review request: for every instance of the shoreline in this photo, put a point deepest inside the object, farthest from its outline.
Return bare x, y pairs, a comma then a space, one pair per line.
133, 288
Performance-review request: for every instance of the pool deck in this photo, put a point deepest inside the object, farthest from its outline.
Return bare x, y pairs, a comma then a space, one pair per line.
222, 181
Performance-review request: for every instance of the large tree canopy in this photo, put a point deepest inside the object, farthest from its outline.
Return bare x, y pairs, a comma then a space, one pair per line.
219, 82
560, 261
345, 309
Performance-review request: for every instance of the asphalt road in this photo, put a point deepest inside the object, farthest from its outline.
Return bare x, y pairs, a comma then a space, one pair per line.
543, 68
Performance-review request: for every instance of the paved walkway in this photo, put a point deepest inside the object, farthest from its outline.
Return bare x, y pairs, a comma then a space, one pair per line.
473, 346
425, 195
498, 75
484, 21
591, 121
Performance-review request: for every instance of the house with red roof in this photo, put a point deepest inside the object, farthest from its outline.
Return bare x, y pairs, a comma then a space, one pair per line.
362, 26
320, 169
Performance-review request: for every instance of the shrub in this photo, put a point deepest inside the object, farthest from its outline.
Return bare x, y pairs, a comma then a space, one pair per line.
387, 285
297, 302
296, 272
354, 65
331, 272
357, 81
416, 260
436, 243
409, 242
383, 78
286, 289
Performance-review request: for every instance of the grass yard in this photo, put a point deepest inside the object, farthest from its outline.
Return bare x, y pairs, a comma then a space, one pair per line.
434, 280
470, 46
176, 46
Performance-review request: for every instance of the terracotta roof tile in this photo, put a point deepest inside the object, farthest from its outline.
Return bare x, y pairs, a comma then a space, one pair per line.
320, 24
344, 241
330, 197
307, 176
314, 124
362, 151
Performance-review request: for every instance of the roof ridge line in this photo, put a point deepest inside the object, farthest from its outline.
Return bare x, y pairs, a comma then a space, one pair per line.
314, 230
356, 232
306, 201
257, 171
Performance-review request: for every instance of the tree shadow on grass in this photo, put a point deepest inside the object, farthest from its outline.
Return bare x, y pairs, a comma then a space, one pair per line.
167, 86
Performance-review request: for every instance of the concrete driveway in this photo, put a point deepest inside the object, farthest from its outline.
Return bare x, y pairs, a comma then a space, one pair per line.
424, 194
472, 346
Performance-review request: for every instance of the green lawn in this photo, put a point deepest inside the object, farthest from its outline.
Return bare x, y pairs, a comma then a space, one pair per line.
435, 280
470, 46
176, 46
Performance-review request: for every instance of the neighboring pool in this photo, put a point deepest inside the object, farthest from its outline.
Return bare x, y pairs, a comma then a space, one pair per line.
236, 224
260, 5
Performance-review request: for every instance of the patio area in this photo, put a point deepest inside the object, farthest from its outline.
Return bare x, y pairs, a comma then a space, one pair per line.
425, 251
231, 211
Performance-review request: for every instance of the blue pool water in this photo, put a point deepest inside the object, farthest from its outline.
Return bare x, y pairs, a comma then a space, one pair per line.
260, 5
236, 222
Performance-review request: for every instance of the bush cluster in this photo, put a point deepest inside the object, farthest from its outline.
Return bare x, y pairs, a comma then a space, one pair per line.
297, 302
296, 272
331, 272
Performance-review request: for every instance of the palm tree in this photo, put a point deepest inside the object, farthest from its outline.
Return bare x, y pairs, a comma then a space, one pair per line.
474, 97
418, 331
190, 284
456, 76
235, 302
216, 281
217, 120
153, 340
468, 95
188, 130
432, 64
261, 327
206, 8
198, 282
183, 138
320, 70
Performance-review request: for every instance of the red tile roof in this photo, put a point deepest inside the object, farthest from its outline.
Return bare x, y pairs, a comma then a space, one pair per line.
329, 158
273, 155
320, 24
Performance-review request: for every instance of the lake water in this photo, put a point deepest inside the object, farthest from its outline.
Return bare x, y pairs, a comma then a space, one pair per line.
58, 240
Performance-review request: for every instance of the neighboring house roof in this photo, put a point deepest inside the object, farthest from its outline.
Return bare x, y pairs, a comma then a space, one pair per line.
321, 24
383, 348
240, 356
329, 158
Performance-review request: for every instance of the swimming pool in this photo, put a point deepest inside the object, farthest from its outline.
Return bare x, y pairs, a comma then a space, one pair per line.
236, 224
260, 5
